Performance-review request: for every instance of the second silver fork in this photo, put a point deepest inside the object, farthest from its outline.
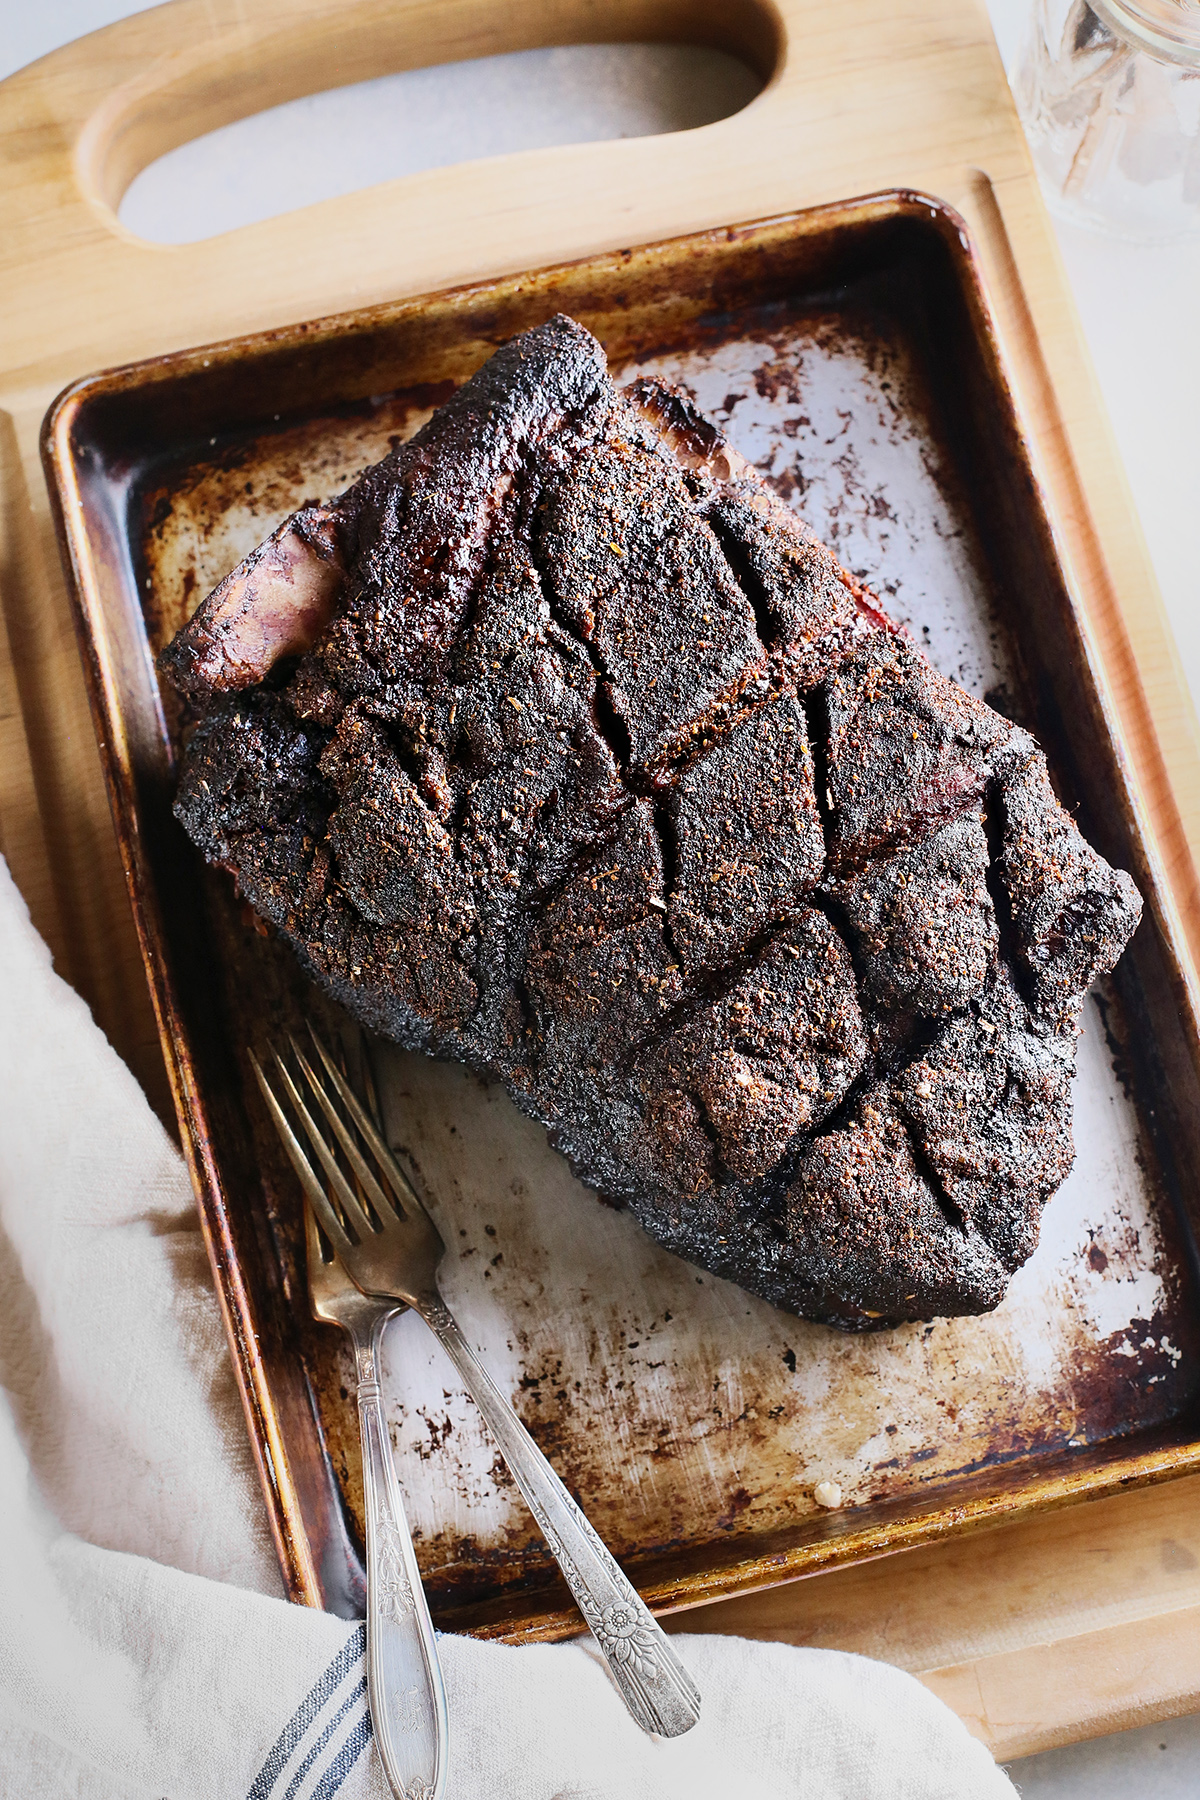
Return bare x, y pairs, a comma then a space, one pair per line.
392, 1248
404, 1677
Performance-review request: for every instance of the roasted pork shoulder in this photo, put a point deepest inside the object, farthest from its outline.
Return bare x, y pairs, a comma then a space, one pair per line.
559, 746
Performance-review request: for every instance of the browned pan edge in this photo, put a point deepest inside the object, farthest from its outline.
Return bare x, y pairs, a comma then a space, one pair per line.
336, 359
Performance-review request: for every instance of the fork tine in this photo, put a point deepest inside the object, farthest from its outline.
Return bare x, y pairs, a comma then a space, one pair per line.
313, 1245
351, 1205
299, 1161
405, 1191
361, 1168
372, 1092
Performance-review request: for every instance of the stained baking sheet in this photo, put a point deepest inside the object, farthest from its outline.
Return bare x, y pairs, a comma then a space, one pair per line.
692, 1419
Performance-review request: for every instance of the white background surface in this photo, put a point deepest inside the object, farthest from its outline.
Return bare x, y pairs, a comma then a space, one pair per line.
1138, 307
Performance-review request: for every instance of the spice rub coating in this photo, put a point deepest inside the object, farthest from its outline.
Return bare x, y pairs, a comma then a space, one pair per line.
559, 746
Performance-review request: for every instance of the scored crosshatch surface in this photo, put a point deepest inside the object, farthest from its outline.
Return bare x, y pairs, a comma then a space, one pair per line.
678, 1405
739, 938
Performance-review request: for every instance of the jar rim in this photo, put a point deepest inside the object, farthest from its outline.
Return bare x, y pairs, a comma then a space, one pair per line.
1168, 30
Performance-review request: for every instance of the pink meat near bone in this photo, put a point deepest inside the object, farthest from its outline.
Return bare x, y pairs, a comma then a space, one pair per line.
276, 603
559, 746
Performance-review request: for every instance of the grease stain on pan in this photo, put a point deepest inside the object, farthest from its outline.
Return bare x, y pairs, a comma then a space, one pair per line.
679, 1408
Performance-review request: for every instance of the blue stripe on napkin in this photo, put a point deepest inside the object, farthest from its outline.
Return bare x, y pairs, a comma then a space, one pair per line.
311, 1755
345, 1760
307, 1733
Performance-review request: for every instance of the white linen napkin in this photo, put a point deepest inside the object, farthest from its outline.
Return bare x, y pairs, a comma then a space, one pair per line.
145, 1648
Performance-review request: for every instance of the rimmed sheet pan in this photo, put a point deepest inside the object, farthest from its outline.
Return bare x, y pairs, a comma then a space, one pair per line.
848, 351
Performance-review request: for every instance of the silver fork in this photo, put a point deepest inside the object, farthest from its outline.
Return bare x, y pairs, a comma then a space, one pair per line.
392, 1248
404, 1677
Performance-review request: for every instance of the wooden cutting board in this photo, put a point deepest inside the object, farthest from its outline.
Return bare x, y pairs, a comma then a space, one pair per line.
1068, 1625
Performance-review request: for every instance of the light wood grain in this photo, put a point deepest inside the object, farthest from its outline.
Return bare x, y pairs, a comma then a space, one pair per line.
1115, 1562
1111, 1680
1072, 1623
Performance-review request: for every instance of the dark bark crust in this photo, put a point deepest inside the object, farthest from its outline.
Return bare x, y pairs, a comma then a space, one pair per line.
604, 779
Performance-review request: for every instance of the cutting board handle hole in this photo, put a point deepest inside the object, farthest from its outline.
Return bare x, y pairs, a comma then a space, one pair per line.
324, 145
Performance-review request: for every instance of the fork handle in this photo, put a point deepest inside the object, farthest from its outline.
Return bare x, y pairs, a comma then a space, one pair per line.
652, 1681
404, 1678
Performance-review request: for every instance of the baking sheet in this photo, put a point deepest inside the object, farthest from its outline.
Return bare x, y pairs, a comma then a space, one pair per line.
678, 1406
851, 353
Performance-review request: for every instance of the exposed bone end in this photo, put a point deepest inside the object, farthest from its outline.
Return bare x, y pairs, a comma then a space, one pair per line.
276, 603
693, 440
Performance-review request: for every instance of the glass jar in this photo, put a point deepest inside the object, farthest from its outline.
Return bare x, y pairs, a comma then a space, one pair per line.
1109, 94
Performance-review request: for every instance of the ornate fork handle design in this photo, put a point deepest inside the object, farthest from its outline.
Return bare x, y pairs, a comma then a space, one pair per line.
656, 1687
392, 1252
408, 1700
